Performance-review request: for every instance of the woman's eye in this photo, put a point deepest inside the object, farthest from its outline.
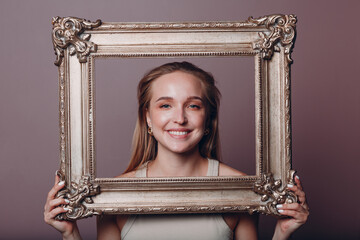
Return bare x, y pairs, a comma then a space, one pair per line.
165, 106
194, 106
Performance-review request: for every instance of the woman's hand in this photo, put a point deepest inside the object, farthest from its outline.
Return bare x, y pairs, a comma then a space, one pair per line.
52, 208
297, 213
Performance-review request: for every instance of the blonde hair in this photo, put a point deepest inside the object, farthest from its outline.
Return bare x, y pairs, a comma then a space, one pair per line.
144, 146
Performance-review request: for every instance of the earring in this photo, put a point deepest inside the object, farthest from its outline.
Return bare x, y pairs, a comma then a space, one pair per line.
150, 132
207, 131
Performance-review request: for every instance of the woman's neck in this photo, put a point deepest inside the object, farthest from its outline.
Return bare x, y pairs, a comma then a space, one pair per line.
170, 164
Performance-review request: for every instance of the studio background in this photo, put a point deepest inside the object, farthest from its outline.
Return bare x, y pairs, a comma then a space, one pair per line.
325, 104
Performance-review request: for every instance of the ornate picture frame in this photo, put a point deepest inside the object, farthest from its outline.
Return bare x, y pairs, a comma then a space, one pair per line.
78, 42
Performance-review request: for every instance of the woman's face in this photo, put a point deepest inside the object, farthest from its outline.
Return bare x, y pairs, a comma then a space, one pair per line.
176, 112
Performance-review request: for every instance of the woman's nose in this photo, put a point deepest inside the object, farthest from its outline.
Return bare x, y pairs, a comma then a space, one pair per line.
180, 116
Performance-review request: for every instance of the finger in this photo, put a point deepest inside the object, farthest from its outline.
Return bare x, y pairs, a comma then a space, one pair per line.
300, 217
294, 207
56, 211
56, 202
57, 178
297, 182
290, 206
53, 203
299, 192
55, 189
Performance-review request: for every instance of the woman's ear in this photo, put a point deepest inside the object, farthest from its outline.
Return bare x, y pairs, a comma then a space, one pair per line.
148, 119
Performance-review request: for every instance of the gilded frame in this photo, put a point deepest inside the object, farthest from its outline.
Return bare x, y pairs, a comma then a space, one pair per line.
77, 42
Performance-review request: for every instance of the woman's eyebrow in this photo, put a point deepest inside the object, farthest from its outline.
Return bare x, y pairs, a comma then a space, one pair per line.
171, 98
195, 97
164, 98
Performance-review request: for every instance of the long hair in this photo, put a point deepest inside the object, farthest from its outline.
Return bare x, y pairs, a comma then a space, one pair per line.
144, 146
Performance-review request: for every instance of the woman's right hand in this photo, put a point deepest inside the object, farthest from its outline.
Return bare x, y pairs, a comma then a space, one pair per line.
52, 208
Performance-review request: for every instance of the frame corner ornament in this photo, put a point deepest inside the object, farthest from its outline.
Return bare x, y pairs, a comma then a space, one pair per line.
282, 30
271, 191
77, 194
68, 32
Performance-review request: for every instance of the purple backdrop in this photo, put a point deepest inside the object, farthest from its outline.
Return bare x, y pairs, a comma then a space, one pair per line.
325, 104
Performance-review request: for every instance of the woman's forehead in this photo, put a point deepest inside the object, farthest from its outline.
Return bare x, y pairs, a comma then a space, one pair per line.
177, 85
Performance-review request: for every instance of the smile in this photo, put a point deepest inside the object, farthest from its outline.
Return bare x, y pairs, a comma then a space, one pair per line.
178, 133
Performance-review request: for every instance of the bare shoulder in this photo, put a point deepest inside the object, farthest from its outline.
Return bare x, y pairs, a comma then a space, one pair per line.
225, 170
128, 174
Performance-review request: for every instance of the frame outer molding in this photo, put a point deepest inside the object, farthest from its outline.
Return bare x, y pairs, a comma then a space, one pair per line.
68, 38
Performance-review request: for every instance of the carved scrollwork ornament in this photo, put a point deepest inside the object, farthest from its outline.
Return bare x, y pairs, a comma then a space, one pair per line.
77, 194
271, 191
282, 30
67, 32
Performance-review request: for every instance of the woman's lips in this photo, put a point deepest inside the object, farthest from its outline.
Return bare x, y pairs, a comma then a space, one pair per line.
179, 133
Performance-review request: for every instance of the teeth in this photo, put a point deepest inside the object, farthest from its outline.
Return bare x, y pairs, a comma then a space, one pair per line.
177, 133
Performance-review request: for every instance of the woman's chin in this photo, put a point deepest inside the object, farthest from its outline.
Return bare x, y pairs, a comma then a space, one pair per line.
182, 150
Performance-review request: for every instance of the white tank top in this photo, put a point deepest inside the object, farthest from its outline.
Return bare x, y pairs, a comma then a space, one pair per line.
177, 226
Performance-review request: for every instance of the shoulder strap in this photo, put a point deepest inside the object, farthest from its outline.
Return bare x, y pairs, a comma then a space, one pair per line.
213, 168
142, 170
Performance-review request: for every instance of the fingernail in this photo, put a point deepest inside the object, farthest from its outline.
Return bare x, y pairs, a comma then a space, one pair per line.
297, 177
61, 183
67, 209
280, 211
279, 206
290, 185
67, 201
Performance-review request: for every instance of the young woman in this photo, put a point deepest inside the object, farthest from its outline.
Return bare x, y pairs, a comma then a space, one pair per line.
176, 134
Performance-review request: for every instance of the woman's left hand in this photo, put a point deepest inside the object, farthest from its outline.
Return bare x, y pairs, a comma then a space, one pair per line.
297, 213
